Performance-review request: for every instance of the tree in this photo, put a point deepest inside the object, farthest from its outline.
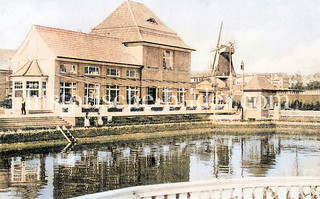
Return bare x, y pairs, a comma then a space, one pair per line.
298, 85
313, 85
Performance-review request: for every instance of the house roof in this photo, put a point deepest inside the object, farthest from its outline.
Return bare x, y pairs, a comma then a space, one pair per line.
201, 74
5, 56
141, 25
30, 69
259, 83
72, 44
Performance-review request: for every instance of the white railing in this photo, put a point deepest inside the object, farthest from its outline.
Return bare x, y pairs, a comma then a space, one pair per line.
296, 113
125, 110
258, 188
308, 92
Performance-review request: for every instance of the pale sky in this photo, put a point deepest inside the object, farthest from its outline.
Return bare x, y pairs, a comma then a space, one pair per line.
271, 36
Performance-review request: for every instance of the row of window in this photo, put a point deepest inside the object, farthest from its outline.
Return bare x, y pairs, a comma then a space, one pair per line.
95, 70
92, 93
32, 88
167, 63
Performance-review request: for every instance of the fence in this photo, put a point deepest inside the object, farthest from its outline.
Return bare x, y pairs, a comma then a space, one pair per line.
295, 113
257, 188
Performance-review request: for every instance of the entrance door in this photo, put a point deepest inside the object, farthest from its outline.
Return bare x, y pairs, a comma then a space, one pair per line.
152, 95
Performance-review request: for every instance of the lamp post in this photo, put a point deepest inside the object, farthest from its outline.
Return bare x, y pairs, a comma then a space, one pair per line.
242, 68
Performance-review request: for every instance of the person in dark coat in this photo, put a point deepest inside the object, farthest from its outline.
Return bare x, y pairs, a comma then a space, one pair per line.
23, 107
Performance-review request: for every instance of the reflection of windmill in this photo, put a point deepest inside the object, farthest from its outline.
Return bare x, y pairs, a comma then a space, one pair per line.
222, 66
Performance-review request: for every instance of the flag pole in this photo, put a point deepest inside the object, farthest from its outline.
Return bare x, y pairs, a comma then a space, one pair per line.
242, 68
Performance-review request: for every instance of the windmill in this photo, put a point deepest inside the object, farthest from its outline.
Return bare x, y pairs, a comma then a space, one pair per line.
222, 66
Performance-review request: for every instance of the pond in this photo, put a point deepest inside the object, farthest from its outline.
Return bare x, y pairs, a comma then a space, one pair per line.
93, 168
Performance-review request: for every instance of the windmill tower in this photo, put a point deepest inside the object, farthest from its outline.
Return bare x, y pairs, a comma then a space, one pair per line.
222, 66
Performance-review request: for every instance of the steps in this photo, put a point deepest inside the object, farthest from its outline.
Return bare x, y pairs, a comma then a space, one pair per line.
67, 134
39, 111
31, 122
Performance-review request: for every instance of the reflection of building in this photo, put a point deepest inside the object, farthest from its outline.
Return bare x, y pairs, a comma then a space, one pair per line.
25, 171
117, 167
132, 52
212, 159
259, 158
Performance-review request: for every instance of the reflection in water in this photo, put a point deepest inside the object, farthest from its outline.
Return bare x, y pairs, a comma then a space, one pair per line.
91, 169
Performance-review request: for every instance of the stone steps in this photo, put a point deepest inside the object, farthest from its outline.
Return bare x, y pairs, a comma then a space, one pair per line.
23, 122
39, 111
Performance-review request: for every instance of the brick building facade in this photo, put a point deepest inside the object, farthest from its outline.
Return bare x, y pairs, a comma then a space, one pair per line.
131, 53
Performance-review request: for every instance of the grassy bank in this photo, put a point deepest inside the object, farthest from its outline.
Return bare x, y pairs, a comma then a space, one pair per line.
43, 139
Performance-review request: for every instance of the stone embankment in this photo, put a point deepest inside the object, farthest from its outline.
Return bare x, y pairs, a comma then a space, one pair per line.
30, 139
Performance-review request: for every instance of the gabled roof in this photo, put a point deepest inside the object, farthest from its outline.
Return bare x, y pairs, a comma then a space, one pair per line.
72, 44
259, 83
141, 25
30, 69
5, 56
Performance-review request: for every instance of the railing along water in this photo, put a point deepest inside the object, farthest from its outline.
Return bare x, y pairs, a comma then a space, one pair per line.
257, 188
298, 113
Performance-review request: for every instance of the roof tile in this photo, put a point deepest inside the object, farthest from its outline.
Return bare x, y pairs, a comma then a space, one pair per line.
130, 23
66, 43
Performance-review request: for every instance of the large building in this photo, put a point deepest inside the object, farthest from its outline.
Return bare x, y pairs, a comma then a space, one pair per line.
132, 52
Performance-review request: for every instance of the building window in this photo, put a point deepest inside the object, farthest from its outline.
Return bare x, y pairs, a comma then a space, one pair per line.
73, 69
67, 90
132, 94
181, 95
32, 89
18, 87
91, 93
168, 59
92, 70
44, 88
63, 69
131, 73
113, 72
112, 93
167, 95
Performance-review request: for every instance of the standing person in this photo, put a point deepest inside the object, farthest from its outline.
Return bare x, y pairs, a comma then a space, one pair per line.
100, 121
86, 120
23, 107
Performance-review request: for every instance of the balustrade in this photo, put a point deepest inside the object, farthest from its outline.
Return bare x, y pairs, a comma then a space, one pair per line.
257, 188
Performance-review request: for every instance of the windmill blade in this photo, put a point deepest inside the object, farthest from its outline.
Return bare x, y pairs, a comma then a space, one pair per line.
217, 49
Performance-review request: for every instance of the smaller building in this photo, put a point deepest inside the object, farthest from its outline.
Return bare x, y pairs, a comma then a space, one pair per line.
258, 98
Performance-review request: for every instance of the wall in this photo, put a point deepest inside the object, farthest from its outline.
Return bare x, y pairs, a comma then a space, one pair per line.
5, 84
34, 48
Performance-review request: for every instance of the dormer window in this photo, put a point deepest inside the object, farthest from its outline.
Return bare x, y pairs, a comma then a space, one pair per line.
62, 69
152, 20
73, 69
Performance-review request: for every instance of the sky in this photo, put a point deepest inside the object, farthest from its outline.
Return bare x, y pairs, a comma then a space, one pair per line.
269, 35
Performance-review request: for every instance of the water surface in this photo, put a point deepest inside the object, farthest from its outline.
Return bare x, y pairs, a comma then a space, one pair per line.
89, 169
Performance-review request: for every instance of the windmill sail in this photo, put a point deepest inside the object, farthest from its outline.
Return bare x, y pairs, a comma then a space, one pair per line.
217, 49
